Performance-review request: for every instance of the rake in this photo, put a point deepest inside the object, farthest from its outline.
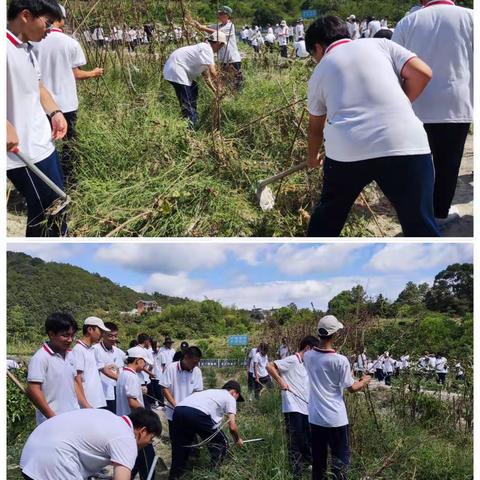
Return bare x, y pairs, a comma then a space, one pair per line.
264, 193
60, 203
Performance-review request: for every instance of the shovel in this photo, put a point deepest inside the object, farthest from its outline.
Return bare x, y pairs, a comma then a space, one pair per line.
60, 203
265, 194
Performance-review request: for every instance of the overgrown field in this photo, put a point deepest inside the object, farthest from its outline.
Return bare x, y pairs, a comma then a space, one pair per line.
141, 171
398, 433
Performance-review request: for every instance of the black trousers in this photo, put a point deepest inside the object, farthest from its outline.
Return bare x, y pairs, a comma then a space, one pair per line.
447, 141
251, 382
187, 96
187, 424
143, 463
67, 157
299, 440
263, 382
441, 378
407, 181
336, 440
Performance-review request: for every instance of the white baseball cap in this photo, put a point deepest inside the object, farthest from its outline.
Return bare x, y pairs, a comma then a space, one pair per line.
219, 37
64, 13
283, 23
328, 325
137, 352
96, 322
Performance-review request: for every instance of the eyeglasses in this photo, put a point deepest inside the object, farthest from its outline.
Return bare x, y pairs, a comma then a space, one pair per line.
48, 22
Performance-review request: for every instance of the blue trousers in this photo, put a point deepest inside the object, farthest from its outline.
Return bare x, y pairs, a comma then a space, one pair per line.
187, 97
40, 196
187, 423
336, 440
407, 181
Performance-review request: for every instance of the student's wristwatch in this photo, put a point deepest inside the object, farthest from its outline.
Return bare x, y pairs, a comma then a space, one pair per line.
52, 114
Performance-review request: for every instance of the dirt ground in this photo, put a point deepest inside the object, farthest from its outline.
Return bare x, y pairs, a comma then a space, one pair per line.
384, 213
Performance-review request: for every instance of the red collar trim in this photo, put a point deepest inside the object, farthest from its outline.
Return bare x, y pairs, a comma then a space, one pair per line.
105, 348
13, 39
299, 357
83, 344
129, 370
128, 421
319, 350
336, 44
439, 2
45, 345
56, 30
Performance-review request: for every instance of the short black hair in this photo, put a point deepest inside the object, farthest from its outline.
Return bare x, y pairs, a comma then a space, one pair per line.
133, 343
60, 322
36, 7
86, 327
141, 417
308, 341
111, 326
325, 30
193, 352
384, 33
130, 360
142, 338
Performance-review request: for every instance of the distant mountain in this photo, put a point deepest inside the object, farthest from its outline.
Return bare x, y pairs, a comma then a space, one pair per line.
36, 288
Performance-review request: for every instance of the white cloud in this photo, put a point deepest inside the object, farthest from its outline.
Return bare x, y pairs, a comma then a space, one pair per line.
293, 260
414, 257
49, 252
179, 285
167, 258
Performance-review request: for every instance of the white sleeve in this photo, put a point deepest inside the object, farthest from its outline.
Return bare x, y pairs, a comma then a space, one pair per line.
315, 100
78, 359
124, 451
231, 405
206, 55
131, 386
98, 357
37, 369
256, 358
36, 66
346, 379
399, 32
399, 55
77, 57
284, 364
198, 380
167, 379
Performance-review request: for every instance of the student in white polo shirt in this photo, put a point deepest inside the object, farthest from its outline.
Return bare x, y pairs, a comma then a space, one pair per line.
250, 372
201, 414
77, 445
109, 355
88, 383
148, 374
183, 67
330, 375
180, 380
130, 396
28, 105
51, 370
291, 376
60, 57
371, 131
260, 374
441, 368
441, 33
228, 56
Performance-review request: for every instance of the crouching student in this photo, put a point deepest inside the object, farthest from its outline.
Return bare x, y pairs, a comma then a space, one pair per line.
291, 376
130, 398
371, 131
80, 443
329, 375
184, 66
201, 414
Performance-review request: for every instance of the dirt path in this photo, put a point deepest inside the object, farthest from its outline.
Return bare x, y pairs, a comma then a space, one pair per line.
463, 200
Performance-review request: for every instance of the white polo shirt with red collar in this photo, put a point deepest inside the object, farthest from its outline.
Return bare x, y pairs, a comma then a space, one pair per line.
77, 445
128, 386
329, 374
441, 34
357, 85
86, 362
292, 370
24, 110
181, 383
56, 375
105, 357
58, 54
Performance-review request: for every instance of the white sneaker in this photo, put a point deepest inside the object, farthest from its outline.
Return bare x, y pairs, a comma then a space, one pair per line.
453, 214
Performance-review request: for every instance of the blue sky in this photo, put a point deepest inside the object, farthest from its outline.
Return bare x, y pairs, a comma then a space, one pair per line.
261, 274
